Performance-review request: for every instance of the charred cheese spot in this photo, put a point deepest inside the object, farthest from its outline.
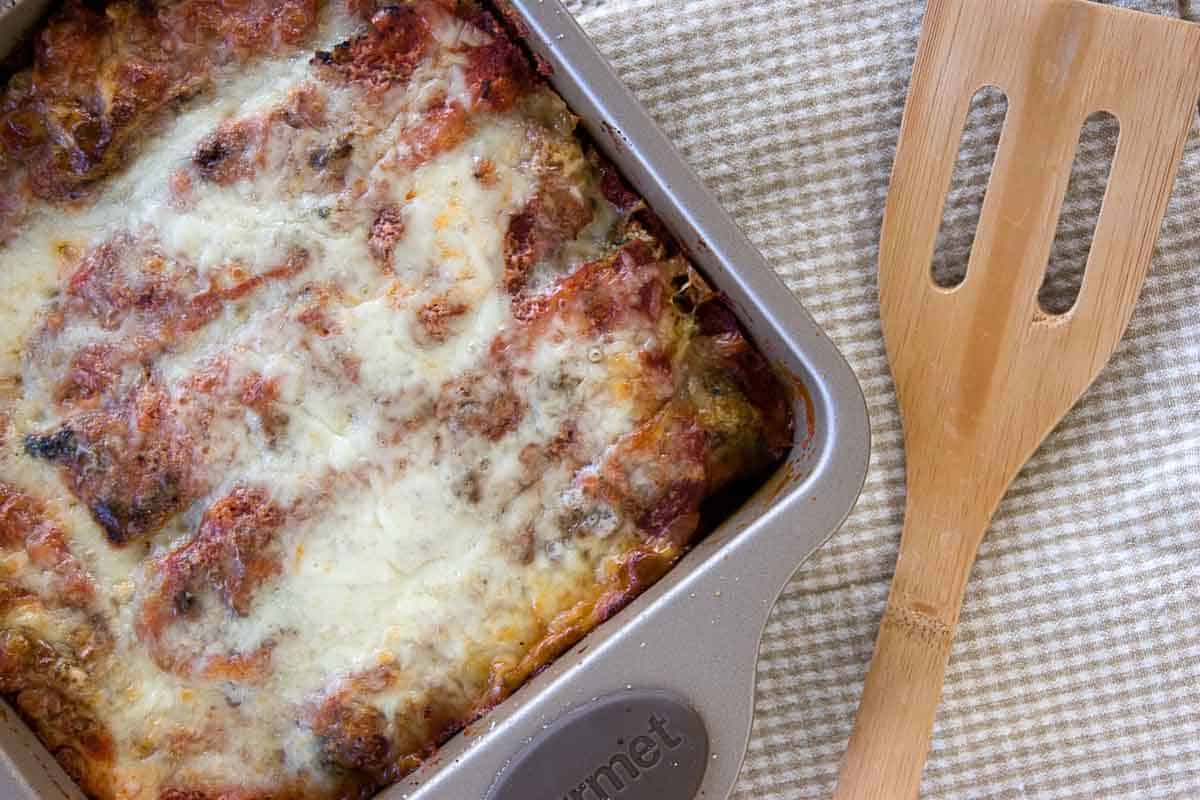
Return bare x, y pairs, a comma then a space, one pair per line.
399, 37
130, 463
231, 152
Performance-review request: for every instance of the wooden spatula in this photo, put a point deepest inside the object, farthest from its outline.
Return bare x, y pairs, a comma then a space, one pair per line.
982, 373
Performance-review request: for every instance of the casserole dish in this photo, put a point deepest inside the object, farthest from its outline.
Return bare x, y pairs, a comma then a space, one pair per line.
723, 580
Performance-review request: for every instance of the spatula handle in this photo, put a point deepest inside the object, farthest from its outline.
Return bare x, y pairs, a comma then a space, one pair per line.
945, 517
895, 717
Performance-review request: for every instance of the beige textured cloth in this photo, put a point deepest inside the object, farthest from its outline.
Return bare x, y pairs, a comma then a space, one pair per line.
1076, 670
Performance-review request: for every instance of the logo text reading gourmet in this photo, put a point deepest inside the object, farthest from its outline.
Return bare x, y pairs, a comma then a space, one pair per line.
641, 753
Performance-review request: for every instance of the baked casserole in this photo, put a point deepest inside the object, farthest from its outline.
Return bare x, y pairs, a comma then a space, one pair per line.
343, 385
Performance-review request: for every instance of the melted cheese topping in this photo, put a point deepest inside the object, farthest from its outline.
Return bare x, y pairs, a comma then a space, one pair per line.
335, 491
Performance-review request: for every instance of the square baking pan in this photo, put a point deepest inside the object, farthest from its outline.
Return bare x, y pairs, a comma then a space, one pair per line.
695, 633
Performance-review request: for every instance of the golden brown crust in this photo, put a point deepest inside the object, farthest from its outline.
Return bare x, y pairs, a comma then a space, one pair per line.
100, 78
130, 462
386, 53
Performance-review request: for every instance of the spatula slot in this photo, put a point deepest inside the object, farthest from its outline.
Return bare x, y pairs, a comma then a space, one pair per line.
968, 185
1086, 191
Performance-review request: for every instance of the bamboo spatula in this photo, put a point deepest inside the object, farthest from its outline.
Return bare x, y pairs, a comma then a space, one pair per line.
982, 374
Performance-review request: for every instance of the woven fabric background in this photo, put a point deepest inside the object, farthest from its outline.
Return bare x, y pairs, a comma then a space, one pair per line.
1076, 670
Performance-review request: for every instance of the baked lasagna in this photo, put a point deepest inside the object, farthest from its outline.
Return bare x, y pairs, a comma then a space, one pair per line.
343, 385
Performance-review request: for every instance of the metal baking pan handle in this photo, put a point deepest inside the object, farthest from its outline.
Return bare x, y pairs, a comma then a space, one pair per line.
681, 719
696, 643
